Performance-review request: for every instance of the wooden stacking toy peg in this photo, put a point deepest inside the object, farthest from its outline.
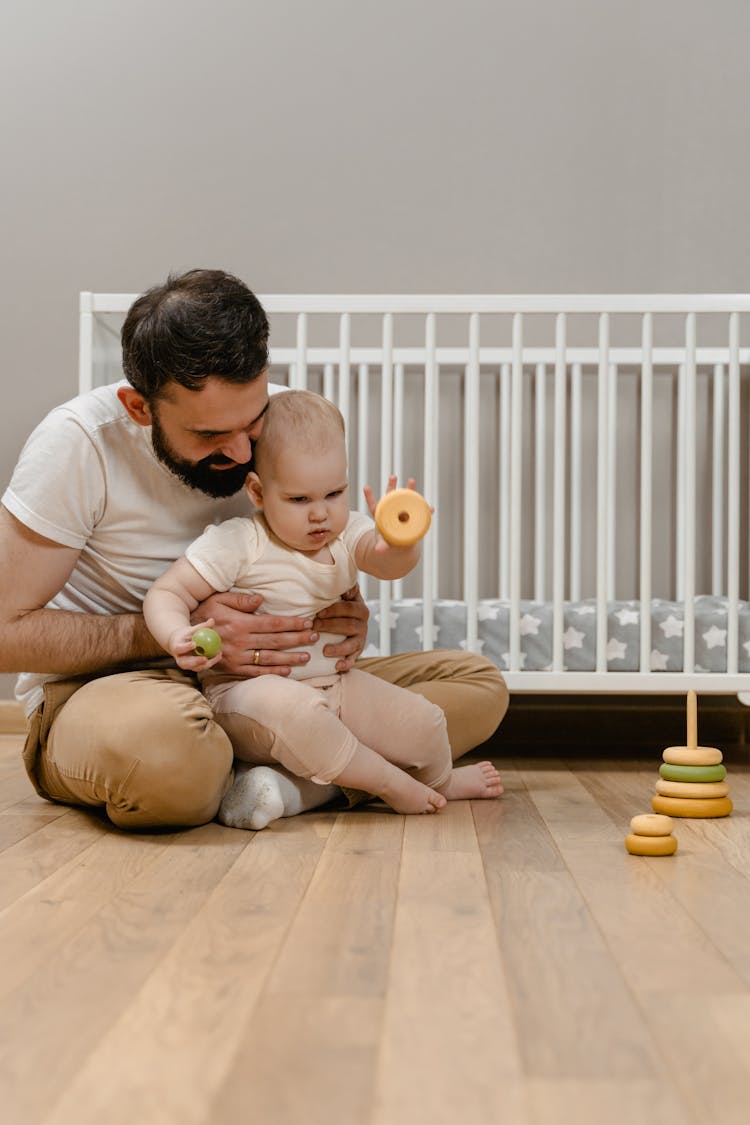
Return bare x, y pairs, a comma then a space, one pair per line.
402, 517
692, 777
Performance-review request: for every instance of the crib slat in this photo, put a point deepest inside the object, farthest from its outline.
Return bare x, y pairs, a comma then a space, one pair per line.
300, 366
558, 529
733, 497
504, 492
386, 463
363, 461
576, 438
431, 421
680, 487
717, 483
690, 480
647, 467
398, 447
329, 388
386, 403
540, 483
602, 495
612, 481
471, 486
516, 495
345, 368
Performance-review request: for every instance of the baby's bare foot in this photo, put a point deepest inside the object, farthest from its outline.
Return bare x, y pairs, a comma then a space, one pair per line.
407, 795
470, 782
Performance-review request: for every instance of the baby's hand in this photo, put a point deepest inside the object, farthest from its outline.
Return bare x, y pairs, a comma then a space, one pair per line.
182, 648
414, 533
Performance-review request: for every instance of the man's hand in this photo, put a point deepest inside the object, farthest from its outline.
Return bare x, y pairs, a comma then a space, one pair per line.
257, 644
254, 644
348, 617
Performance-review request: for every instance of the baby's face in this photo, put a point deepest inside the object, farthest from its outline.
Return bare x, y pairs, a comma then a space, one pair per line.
306, 497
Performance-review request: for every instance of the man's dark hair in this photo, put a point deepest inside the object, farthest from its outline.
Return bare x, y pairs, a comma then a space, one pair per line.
199, 323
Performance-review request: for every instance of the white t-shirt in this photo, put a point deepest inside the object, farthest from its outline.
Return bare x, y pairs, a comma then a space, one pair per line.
88, 478
243, 554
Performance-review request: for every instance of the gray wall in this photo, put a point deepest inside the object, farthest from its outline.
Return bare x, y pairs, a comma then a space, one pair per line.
320, 145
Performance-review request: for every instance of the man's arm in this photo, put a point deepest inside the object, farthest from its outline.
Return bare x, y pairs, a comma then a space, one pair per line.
34, 639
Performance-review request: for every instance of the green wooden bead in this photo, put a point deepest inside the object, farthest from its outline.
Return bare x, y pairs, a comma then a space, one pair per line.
692, 773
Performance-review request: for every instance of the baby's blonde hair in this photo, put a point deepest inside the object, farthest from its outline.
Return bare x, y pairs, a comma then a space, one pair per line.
300, 419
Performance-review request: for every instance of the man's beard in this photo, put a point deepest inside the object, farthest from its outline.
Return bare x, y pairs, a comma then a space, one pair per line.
218, 483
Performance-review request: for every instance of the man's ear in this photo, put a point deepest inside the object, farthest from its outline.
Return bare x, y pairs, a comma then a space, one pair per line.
135, 404
254, 489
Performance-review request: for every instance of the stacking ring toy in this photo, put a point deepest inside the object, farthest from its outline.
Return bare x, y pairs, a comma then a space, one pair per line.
692, 773
402, 517
683, 806
690, 790
651, 824
651, 845
692, 756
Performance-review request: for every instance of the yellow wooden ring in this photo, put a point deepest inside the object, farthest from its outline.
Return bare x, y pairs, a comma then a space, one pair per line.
681, 806
692, 789
693, 756
651, 845
402, 517
651, 824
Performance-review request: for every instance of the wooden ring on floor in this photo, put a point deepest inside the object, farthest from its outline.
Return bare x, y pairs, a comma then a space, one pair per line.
692, 790
693, 756
402, 517
651, 824
692, 773
650, 845
681, 806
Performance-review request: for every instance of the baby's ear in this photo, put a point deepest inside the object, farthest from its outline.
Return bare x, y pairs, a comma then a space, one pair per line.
254, 489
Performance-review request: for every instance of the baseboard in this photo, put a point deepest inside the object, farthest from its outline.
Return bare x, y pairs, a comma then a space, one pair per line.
12, 719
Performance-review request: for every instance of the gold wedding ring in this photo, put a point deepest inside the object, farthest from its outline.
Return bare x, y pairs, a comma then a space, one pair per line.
256, 656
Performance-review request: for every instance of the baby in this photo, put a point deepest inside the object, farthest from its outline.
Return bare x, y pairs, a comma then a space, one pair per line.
301, 551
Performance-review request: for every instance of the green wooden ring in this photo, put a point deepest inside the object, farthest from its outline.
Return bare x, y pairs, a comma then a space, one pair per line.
692, 773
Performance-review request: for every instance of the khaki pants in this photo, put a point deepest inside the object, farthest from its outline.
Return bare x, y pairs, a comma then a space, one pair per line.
145, 746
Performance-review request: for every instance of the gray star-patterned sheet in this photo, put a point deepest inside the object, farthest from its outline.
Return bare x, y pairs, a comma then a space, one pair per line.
579, 633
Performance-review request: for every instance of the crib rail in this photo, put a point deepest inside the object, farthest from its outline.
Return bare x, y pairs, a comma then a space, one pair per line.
585, 446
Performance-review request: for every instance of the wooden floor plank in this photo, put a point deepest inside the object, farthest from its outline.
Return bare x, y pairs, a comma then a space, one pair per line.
96, 966
449, 1050
309, 1052
561, 974
213, 977
634, 909
181, 1029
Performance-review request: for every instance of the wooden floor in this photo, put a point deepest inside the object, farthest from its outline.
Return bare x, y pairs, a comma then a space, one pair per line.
501, 962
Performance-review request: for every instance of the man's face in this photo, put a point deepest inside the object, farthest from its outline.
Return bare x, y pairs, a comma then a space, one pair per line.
205, 437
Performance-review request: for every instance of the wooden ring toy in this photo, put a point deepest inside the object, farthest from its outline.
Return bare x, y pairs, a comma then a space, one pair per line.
692, 773
692, 790
693, 756
650, 845
651, 824
681, 806
402, 517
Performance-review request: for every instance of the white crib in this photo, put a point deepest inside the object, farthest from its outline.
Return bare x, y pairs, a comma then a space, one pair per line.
587, 457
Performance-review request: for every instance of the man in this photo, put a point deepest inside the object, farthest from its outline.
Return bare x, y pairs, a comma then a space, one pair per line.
109, 489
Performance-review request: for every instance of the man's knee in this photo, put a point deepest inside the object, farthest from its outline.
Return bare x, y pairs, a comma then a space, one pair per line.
148, 750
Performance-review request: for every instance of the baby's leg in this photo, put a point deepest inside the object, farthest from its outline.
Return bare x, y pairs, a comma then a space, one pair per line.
276, 720
408, 730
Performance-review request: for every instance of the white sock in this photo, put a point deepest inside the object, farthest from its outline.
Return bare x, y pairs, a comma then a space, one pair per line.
261, 794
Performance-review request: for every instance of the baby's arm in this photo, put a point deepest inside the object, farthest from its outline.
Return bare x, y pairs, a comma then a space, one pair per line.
167, 608
376, 557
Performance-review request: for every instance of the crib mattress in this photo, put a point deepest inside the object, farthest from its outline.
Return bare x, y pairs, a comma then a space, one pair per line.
579, 633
